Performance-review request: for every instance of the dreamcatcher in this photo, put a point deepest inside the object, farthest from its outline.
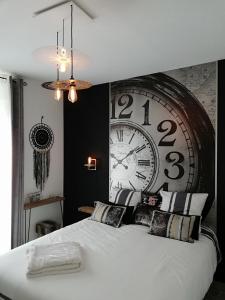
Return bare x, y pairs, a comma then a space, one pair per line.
41, 139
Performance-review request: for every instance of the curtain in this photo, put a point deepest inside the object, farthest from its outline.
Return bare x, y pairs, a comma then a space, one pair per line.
17, 234
5, 164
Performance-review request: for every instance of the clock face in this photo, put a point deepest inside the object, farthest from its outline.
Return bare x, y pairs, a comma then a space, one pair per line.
152, 145
134, 161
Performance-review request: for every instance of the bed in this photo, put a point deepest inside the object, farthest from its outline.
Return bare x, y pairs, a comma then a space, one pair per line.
119, 263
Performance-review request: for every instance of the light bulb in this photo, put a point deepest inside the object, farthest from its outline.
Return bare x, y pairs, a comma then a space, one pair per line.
72, 96
89, 160
62, 67
63, 60
63, 51
58, 94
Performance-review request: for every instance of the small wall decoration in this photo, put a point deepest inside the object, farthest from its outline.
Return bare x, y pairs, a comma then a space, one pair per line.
41, 139
32, 197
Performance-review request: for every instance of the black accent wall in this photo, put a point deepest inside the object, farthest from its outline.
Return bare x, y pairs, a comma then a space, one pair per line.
86, 133
221, 168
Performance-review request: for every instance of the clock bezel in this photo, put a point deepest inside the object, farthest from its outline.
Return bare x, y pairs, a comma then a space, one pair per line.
153, 146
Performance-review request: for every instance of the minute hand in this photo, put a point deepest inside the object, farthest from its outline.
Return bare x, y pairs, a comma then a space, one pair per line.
129, 153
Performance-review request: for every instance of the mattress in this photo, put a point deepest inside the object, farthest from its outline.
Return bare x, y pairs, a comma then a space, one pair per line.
123, 263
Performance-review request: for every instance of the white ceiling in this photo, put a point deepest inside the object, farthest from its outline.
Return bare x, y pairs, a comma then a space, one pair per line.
127, 38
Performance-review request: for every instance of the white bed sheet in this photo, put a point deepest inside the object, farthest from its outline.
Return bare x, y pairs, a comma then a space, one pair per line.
122, 263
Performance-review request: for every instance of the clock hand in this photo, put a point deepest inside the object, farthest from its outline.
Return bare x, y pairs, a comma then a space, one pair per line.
119, 161
129, 153
113, 156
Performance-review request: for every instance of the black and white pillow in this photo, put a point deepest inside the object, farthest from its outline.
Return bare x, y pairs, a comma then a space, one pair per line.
143, 214
129, 213
196, 228
172, 226
108, 214
183, 203
125, 197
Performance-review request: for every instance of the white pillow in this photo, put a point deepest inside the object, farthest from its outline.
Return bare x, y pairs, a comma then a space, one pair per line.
125, 197
183, 203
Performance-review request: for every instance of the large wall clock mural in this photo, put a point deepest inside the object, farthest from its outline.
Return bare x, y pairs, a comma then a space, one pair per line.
161, 136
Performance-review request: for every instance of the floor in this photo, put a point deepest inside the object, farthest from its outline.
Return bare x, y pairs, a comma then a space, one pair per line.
216, 291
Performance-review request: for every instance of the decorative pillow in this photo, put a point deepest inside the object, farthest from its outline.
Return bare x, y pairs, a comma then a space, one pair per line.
183, 203
143, 214
209, 233
196, 228
172, 226
151, 199
108, 214
129, 213
125, 197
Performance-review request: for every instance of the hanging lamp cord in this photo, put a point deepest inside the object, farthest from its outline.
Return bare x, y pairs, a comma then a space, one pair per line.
57, 51
71, 37
63, 34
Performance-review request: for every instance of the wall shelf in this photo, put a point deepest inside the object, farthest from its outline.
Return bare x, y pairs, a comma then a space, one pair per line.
42, 202
86, 209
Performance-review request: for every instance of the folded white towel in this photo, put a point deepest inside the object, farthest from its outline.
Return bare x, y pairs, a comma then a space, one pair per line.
64, 269
53, 258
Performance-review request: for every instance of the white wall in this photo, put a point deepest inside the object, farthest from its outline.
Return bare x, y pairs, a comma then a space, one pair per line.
40, 102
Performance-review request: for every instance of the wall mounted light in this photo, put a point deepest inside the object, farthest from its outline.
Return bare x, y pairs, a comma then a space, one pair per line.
91, 165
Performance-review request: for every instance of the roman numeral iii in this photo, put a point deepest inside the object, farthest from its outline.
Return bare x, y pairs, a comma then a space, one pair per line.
144, 162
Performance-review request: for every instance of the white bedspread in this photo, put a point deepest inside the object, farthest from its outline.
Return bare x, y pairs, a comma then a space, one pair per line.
119, 264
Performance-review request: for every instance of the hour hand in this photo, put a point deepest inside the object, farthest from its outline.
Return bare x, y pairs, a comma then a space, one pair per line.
113, 156
119, 162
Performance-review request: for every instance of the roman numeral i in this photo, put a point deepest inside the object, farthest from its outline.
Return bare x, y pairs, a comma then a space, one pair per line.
119, 135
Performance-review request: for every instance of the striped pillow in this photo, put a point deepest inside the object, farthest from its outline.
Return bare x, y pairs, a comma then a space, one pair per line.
125, 197
209, 233
183, 203
108, 214
172, 226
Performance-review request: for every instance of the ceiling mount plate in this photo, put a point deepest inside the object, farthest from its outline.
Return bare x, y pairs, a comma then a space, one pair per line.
75, 2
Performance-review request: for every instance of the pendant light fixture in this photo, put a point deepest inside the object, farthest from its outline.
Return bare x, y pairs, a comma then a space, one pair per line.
72, 96
58, 92
63, 59
71, 85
